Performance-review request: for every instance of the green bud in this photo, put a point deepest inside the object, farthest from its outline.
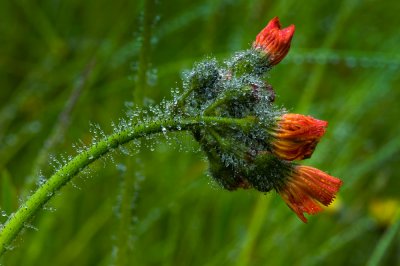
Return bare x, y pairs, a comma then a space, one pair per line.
249, 62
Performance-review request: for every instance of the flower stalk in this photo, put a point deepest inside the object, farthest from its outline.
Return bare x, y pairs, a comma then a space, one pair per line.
43, 194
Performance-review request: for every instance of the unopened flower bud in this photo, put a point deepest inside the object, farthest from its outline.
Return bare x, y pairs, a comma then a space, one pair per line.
295, 136
274, 41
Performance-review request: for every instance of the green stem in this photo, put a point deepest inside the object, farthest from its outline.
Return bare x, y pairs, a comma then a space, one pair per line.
230, 95
214, 105
44, 193
181, 100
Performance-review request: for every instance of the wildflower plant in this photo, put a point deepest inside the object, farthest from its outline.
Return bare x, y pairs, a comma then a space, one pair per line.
229, 109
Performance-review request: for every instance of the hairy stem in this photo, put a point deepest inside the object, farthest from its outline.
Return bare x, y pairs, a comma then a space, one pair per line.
44, 193
181, 100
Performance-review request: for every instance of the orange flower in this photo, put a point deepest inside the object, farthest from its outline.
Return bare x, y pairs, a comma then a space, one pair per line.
274, 41
296, 136
307, 187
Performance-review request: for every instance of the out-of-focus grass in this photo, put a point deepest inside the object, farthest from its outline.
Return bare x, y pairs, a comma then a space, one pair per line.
343, 68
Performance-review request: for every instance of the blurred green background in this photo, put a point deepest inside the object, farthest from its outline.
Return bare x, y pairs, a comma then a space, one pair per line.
64, 64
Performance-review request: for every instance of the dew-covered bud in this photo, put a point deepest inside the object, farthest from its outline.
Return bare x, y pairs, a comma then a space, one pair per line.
273, 41
227, 176
266, 171
267, 89
306, 188
295, 136
202, 79
225, 157
250, 62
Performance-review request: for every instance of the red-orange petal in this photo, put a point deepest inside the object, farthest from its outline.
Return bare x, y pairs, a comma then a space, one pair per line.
274, 41
296, 136
307, 188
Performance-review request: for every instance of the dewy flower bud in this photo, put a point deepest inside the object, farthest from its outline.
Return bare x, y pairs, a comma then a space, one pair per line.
295, 136
274, 41
306, 187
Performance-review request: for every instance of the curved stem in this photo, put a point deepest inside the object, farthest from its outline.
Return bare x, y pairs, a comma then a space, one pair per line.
181, 100
44, 193
229, 95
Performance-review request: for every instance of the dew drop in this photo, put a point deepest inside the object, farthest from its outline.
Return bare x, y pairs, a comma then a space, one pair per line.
30, 226
121, 167
41, 180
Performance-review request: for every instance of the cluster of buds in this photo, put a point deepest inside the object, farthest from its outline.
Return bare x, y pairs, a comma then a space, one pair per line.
261, 150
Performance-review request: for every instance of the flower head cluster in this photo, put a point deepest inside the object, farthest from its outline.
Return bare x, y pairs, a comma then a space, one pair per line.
255, 144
